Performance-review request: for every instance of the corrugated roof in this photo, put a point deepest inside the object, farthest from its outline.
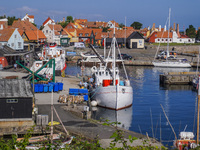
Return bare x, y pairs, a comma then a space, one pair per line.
15, 88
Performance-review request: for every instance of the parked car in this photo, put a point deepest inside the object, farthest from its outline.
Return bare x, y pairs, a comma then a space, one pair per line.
125, 56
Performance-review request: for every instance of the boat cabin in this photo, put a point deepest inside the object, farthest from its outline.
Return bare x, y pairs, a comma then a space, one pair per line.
103, 77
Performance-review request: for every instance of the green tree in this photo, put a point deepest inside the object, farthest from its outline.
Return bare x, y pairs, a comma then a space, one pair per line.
198, 35
34, 24
11, 20
2, 17
191, 32
69, 19
136, 25
63, 24
121, 25
41, 27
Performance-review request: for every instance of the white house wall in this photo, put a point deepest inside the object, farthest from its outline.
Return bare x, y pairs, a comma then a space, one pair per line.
16, 42
48, 33
140, 43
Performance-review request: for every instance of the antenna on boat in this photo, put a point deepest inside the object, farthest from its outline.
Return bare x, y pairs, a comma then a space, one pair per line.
113, 54
168, 34
125, 34
198, 113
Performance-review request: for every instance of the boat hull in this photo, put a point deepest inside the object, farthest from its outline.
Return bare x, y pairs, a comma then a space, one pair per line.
172, 64
114, 97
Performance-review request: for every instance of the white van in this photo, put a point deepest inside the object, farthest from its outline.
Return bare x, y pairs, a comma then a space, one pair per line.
80, 45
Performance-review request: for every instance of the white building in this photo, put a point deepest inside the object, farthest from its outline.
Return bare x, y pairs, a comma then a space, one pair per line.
54, 33
30, 18
11, 38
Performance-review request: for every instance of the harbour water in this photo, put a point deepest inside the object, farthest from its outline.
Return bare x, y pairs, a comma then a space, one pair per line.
146, 115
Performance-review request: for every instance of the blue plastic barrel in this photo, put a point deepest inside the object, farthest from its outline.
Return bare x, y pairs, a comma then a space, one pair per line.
73, 91
36, 88
55, 87
50, 85
83, 91
46, 88
85, 97
41, 87
60, 86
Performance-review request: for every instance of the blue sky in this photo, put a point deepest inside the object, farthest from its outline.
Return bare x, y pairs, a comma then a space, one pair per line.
147, 12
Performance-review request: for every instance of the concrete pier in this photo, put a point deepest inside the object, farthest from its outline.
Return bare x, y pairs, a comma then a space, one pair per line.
177, 78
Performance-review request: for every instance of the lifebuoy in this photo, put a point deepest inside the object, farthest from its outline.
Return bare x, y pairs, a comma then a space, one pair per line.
37, 65
41, 58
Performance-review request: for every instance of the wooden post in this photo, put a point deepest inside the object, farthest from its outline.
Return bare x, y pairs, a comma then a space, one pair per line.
198, 113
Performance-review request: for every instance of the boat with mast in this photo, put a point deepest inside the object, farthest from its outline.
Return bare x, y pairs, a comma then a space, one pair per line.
52, 51
109, 90
177, 63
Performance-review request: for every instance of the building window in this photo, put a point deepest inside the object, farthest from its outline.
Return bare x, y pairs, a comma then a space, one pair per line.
15, 36
80, 34
46, 31
188, 40
158, 39
49, 31
86, 34
12, 101
165, 39
155, 35
162, 39
19, 44
12, 44
170, 39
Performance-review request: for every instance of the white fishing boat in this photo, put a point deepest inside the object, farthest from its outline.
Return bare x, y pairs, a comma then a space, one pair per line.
175, 63
93, 60
51, 52
110, 91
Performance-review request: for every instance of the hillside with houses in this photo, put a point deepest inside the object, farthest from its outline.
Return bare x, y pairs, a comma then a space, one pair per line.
23, 33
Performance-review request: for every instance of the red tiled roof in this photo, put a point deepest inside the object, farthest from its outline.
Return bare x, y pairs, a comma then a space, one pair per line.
46, 21
56, 27
5, 34
67, 31
24, 25
96, 32
31, 16
40, 34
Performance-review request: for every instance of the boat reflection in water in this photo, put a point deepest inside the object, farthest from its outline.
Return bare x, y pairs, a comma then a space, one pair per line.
123, 116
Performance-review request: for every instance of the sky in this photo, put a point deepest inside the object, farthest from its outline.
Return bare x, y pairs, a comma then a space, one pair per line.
147, 12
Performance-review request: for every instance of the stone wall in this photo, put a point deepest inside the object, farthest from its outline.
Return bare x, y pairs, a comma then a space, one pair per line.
181, 49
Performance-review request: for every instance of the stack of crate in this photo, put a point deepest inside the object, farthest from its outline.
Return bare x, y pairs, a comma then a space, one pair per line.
79, 92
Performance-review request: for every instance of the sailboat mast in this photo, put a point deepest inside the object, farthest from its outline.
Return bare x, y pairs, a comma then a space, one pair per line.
52, 117
198, 113
113, 63
168, 33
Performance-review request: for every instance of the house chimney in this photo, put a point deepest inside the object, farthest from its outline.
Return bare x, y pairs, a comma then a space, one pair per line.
165, 28
177, 28
174, 27
153, 28
159, 27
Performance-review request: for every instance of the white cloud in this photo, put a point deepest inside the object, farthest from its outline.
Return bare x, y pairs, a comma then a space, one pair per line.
27, 9
56, 13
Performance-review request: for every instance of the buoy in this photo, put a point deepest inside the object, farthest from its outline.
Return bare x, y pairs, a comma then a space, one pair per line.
93, 103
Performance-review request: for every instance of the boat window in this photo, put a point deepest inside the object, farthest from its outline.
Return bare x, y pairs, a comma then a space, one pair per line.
103, 72
96, 73
100, 73
116, 72
106, 73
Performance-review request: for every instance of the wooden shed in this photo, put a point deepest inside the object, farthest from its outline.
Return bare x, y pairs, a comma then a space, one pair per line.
135, 40
15, 99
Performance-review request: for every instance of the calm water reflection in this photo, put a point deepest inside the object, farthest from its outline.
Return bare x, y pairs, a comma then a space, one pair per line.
179, 103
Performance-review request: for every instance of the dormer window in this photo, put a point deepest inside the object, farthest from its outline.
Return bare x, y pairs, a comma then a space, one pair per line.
80, 34
86, 34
